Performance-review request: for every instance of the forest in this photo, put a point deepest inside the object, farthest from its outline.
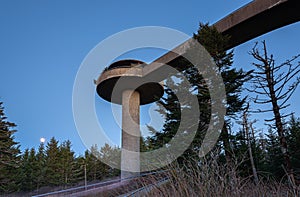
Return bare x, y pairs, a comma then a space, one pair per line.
244, 158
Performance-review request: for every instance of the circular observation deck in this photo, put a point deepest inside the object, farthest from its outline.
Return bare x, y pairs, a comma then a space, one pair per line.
127, 75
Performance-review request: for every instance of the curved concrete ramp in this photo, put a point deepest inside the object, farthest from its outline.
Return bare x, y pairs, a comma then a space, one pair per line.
257, 18
250, 21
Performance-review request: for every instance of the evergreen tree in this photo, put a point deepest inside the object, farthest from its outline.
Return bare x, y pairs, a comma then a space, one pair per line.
274, 155
79, 168
53, 176
216, 44
29, 170
40, 166
111, 155
98, 170
93, 164
24, 172
67, 162
9, 154
293, 139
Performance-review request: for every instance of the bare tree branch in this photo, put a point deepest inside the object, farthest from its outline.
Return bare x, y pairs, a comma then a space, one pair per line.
276, 87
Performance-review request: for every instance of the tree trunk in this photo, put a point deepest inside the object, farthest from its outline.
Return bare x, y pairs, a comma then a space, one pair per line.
226, 144
278, 121
246, 129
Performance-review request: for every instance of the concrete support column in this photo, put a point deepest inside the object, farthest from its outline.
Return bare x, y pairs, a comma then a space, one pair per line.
130, 156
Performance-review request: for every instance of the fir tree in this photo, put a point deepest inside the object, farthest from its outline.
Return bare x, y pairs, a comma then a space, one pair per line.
40, 166
29, 170
9, 154
293, 139
93, 165
79, 168
215, 43
24, 172
274, 155
53, 164
111, 155
68, 163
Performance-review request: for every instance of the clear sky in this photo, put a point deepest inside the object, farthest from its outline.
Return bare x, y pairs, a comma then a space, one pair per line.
42, 44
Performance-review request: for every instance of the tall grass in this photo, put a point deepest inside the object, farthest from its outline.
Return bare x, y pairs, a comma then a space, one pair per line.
208, 177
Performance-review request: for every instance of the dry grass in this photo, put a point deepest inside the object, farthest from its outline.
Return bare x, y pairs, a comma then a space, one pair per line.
209, 178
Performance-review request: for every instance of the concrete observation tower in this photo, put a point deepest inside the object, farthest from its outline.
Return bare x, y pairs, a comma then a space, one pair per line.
122, 83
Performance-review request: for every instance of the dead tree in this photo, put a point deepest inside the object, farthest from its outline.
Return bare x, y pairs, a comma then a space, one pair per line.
275, 84
246, 128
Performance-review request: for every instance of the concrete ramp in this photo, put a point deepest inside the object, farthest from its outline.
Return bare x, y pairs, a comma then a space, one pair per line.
257, 18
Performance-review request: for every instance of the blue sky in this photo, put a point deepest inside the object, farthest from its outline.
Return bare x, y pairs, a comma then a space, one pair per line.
42, 44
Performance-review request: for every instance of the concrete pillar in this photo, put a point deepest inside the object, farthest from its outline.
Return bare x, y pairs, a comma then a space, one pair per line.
130, 163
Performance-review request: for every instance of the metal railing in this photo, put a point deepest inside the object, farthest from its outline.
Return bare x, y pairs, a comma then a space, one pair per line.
146, 188
95, 185
78, 189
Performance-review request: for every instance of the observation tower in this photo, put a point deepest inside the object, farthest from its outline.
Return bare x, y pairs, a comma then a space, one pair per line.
122, 83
